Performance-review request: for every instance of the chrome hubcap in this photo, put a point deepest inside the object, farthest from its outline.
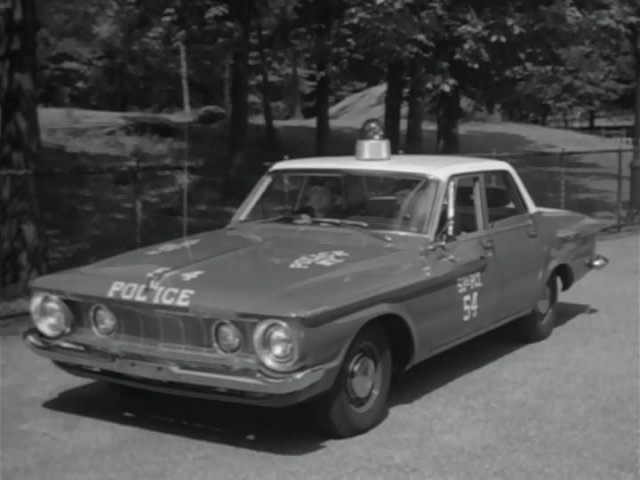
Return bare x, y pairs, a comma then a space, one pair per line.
362, 376
363, 381
543, 305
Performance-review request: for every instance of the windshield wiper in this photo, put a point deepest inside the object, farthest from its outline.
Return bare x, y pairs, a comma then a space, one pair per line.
302, 218
356, 225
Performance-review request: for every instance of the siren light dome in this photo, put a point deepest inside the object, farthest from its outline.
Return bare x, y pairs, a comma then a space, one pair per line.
372, 129
372, 144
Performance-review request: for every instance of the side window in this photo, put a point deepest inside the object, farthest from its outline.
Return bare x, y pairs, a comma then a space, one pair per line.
503, 198
467, 207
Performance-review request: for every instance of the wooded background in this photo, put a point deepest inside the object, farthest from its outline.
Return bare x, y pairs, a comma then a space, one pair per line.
228, 62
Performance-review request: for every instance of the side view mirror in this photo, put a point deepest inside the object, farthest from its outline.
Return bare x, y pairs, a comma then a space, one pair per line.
441, 240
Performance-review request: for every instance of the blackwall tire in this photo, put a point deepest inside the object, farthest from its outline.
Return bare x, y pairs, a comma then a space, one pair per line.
358, 400
539, 324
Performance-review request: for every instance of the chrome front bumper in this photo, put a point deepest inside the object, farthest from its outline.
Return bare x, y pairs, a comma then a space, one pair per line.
178, 378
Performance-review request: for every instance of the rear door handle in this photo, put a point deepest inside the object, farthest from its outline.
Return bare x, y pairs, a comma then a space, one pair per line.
532, 231
487, 243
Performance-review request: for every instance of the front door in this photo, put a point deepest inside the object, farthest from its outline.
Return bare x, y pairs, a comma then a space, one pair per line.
463, 297
518, 251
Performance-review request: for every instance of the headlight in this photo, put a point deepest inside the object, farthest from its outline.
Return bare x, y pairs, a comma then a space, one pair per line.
276, 345
103, 320
50, 315
226, 337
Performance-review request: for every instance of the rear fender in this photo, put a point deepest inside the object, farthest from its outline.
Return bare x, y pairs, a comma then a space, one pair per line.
572, 251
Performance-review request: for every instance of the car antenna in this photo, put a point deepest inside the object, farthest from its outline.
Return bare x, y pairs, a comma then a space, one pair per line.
185, 178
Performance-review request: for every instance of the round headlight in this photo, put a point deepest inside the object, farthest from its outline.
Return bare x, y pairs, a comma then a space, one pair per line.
276, 345
50, 315
227, 337
103, 320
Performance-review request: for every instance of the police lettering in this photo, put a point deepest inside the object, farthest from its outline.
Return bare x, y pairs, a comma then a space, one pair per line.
139, 292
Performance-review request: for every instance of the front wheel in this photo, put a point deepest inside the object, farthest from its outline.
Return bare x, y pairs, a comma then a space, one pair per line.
539, 324
357, 401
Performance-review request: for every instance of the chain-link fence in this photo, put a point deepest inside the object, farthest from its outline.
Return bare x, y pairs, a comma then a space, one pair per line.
90, 212
592, 182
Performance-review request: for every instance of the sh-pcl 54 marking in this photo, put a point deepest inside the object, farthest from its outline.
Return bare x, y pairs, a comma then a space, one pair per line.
468, 287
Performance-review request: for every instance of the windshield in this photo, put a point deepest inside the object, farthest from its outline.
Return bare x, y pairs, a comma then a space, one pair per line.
375, 200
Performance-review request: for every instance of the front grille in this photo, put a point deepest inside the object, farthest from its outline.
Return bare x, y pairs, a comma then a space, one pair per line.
145, 325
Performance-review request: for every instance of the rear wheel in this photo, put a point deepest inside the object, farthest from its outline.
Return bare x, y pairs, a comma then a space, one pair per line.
539, 324
357, 401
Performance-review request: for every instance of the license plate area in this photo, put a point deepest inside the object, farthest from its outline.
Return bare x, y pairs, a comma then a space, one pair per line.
136, 368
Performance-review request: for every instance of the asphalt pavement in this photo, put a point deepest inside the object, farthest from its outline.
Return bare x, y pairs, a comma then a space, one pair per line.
567, 408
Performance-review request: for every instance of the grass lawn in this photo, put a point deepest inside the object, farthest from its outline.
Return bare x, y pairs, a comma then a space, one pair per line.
90, 217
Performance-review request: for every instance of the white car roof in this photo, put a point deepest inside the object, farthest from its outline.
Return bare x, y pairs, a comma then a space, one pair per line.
439, 166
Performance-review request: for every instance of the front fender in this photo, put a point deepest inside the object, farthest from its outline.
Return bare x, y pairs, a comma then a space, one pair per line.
329, 342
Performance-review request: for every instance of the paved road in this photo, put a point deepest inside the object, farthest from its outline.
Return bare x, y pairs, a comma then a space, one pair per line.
567, 408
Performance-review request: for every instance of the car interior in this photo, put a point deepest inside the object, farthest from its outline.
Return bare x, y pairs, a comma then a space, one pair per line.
499, 205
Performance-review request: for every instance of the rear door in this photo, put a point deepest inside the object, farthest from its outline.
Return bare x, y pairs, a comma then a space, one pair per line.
518, 251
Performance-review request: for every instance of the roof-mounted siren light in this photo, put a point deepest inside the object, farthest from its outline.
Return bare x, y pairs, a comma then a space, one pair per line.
371, 144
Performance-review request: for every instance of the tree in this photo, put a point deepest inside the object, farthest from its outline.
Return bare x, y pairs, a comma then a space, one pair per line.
620, 21
22, 253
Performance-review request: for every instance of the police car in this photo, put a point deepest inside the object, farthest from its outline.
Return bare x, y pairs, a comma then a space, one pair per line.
334, 274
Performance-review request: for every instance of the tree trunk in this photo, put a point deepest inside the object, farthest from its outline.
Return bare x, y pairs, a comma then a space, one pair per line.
228, 61
393, 103
294, 96
634, 207
636, 49
123, 88
236, 170
416, 108
448, 115
270, 130
592, 119
544, 116
322, 89
184, 80
22, 254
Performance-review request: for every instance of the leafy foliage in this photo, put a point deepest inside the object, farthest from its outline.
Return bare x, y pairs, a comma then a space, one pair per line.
530, 58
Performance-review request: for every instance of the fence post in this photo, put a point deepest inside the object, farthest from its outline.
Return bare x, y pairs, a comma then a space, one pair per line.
137, 203
634, 183
562, 179
619, 192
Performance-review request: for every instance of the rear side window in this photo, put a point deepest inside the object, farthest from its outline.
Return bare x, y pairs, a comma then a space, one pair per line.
503, 198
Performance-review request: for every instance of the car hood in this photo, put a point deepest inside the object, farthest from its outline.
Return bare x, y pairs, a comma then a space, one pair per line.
264, 269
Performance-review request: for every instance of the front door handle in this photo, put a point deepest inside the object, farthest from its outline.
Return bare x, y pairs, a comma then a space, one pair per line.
532, 232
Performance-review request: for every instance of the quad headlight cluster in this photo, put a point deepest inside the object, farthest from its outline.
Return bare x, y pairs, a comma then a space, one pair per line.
103, 321
50, 315
53, 318
276, 344
274, 341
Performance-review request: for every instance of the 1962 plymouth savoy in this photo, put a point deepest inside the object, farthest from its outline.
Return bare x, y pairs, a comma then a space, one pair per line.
333, 274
